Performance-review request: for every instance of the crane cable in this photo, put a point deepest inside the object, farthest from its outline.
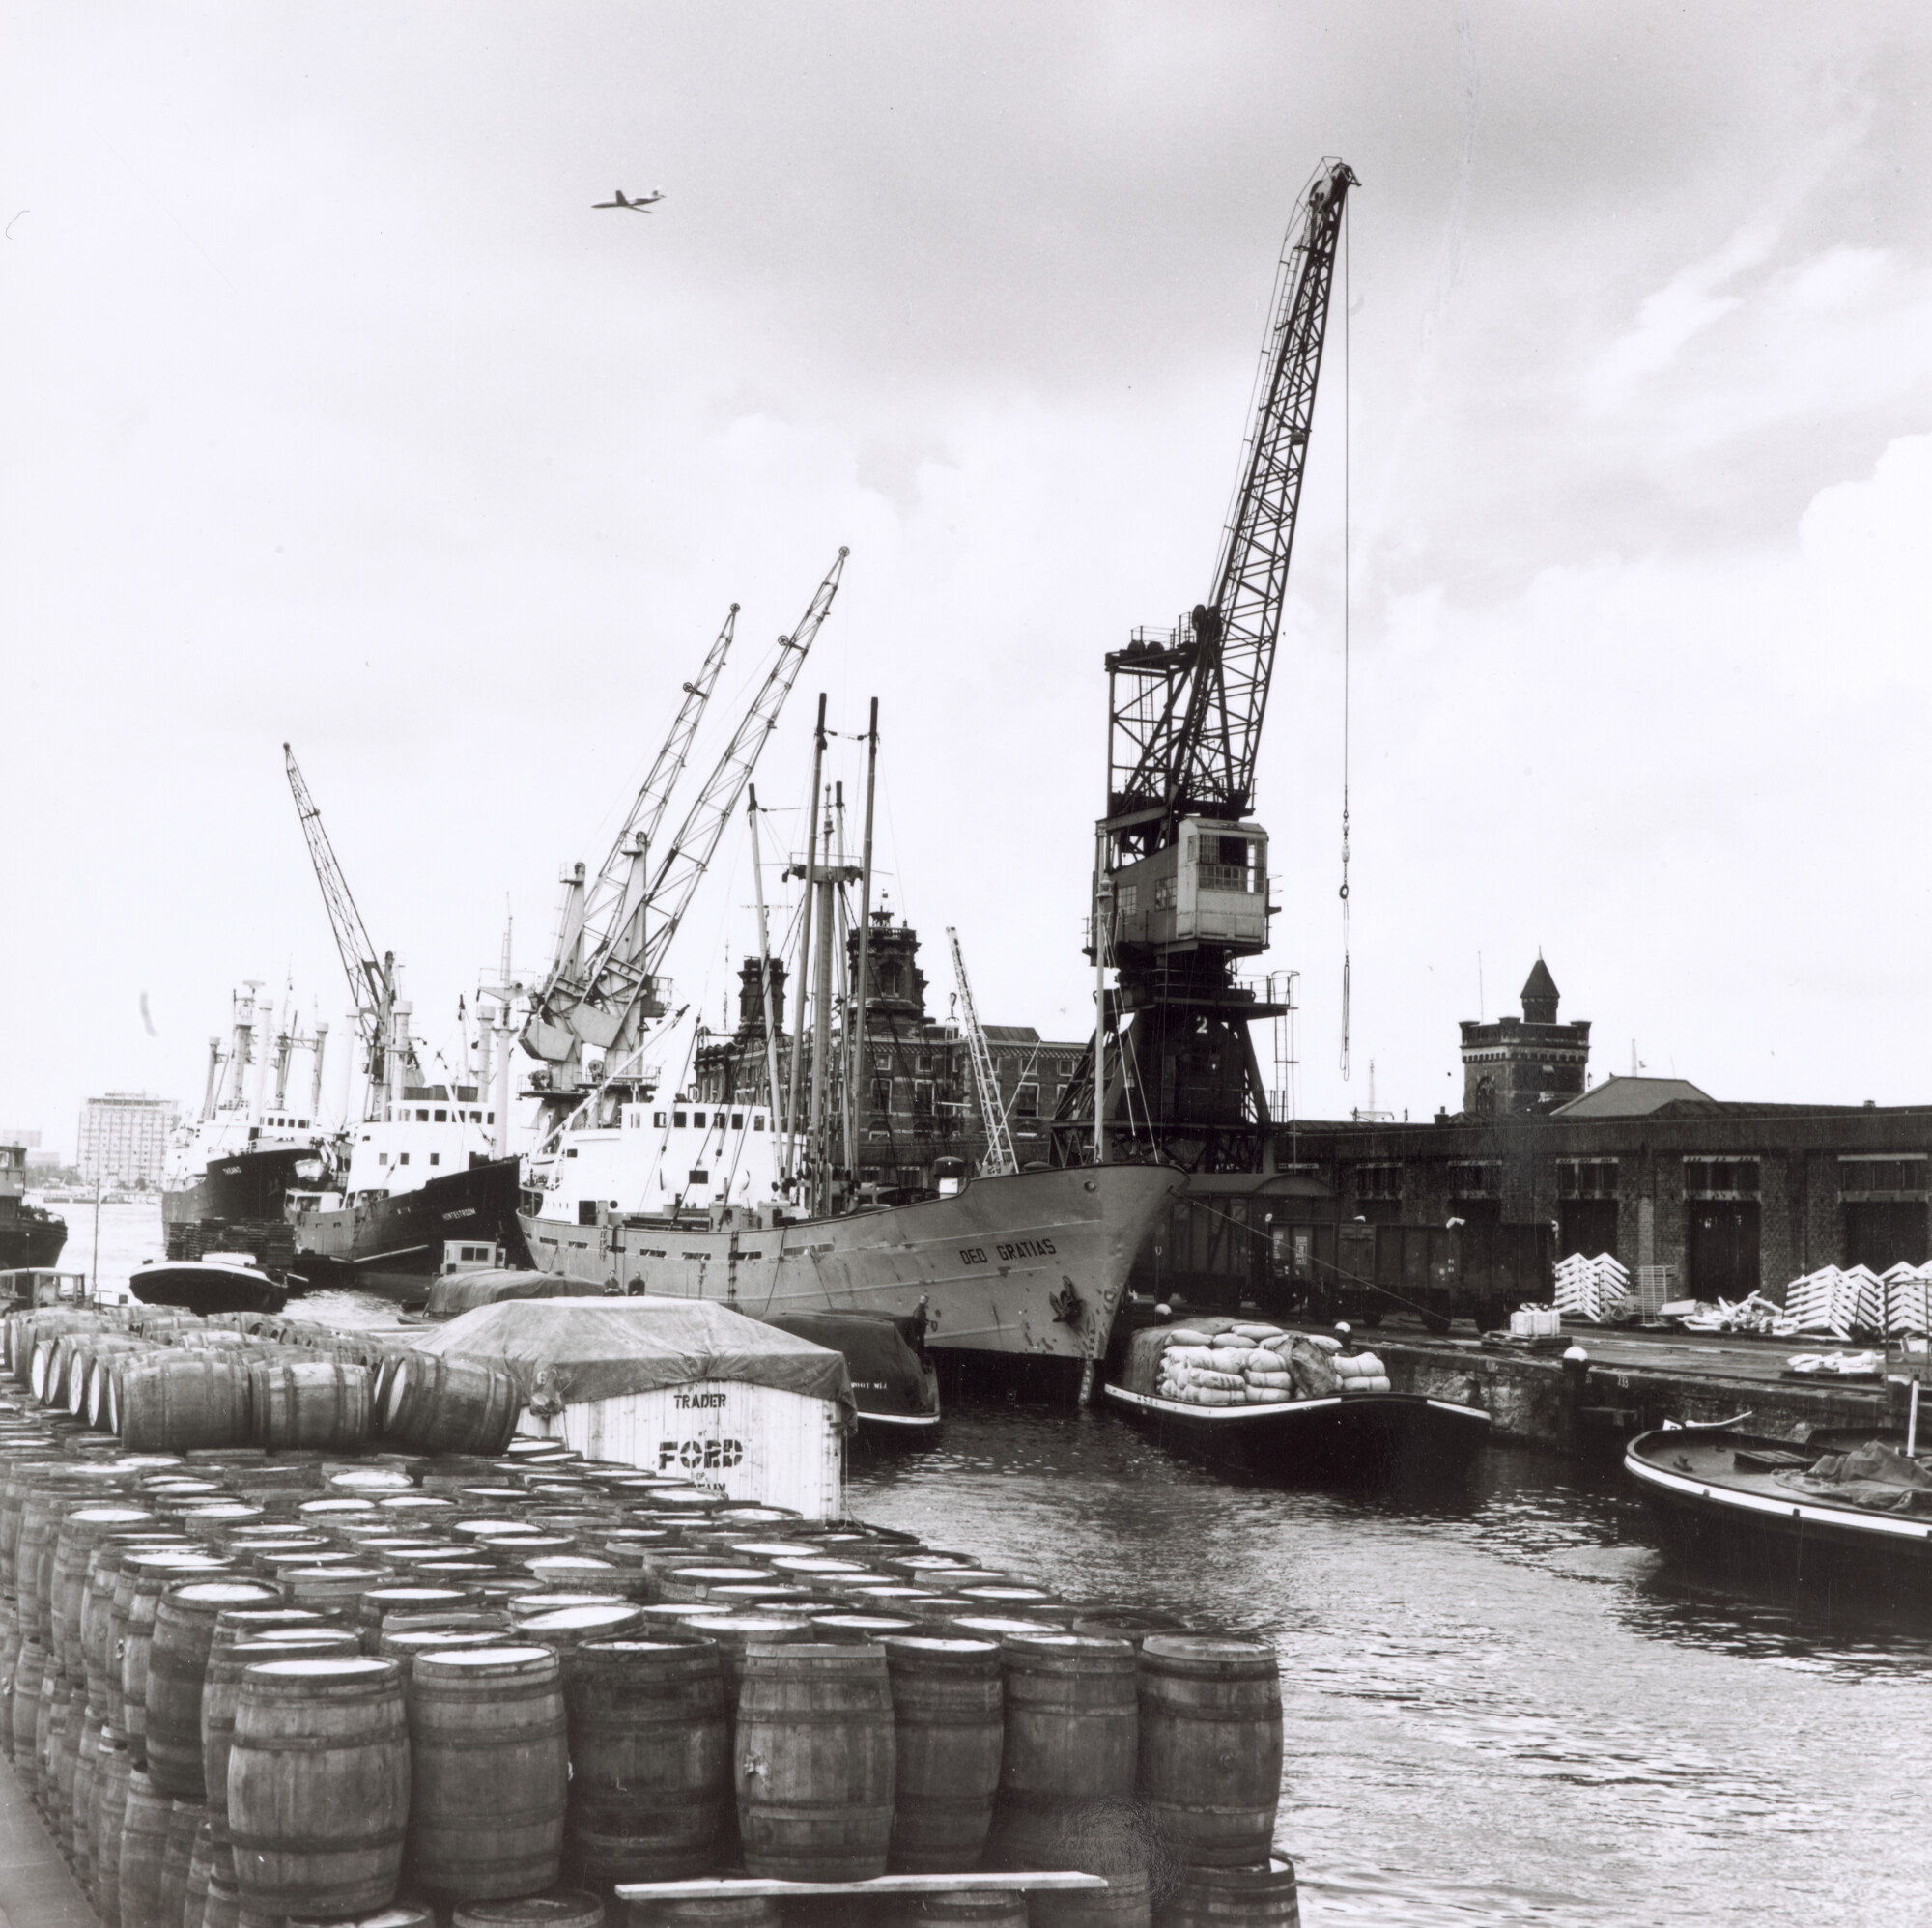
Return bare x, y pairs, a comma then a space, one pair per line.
1345, 638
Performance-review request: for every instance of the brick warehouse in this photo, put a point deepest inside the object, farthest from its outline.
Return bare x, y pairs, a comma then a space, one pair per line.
1732, 1196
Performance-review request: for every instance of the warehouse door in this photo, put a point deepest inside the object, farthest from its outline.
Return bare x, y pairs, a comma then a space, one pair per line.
1882, 1232
1722, 1248
1588, 1226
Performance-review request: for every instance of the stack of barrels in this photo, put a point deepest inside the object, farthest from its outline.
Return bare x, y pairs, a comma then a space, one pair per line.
248, 1687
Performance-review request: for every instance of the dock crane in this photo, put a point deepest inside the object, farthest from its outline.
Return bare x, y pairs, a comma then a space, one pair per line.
1000, 1157
1180, 882
372, 984
585, 998
621, 986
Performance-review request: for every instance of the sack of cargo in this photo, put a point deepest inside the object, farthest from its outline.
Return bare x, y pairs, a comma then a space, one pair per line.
1267, 1395
1373, 1384
1308, 1366
1184, 1336
1217, 1383
1258, 1333
1229, 1358
1257, 1378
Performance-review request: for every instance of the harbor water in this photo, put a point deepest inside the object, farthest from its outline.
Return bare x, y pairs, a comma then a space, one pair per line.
1501, 1707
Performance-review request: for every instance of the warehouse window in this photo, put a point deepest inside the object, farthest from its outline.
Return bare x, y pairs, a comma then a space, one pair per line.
1379, 1181
1475, 1181
1705, 1175
1882, 1178
1026, 1101
1586, 1178
922, 1096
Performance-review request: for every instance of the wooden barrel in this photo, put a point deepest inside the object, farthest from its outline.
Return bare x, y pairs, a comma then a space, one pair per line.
1072, 1717
86, 1770
1071, 1738
970, 1907
177, 1401
735, 1635
229, 1656
332, 1589
222, 1907
318, 1403
144, 1841
403, 1644
144, 1578
184, 1631
490, 1770
80, 1532
30, 1668
432, 1405
948, 1727
66, 1764
319, 1785
110, 1806
562, 1908
566, 1627
1125, 1902
860, 1627
97, 1613
194, 1902
815, 1762
1258, 1897
1211, 1746
185, 1822
380, 1603
723, 1911
650, 1775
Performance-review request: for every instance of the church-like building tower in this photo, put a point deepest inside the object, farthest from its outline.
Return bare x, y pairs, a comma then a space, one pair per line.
1530, 1063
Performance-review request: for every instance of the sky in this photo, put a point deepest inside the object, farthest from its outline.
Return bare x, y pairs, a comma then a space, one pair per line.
335, 415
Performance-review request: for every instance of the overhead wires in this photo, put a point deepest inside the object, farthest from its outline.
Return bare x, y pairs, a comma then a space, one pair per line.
1345, 400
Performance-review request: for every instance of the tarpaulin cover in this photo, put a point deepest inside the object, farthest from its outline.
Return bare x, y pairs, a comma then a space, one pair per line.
596, 1348
463, 1292
888, 1375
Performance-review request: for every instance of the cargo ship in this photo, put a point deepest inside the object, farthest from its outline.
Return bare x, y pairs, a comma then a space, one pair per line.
31, 1237
230, 1169
416, 1180
1031, 1263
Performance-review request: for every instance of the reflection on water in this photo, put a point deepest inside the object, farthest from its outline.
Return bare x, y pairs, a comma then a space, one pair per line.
1501, 1706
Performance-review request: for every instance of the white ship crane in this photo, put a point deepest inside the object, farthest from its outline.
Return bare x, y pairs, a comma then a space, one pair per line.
1000, 1157
372, 985
598, 959
633, 992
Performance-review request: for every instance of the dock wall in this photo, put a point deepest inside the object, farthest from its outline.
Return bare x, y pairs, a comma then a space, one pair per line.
1535, 1399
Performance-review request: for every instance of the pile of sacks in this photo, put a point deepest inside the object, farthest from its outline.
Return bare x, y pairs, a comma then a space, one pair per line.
1246, 1365
1259, 1365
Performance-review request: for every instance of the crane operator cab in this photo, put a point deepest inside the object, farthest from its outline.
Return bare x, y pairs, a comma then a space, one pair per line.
1207, 887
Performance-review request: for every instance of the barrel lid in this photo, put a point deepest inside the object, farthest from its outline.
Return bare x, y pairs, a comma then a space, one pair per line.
333, 1571
325, 1666
1074, 1644
774, 1549
107, 1516
725, 1575
219, 1593
580, 1616
397, 1916
564, 1905
818, 1564
473, 1660
627, 1643
562, 1564
433, 1639
864, 1623
342, 1504
750, 1625
937, 1647
159, 1559
370, 1479
321, 1634
424, 1502
526, 1604
1208, 1648
1003, 1628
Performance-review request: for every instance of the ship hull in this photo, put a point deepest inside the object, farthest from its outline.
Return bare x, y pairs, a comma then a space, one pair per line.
30, 1241
1032, 1264
245, 1188
394, 1245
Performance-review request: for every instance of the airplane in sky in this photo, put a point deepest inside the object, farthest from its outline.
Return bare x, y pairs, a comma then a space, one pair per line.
641, 205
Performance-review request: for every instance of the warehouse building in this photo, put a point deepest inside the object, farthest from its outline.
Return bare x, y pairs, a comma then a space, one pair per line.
1732, 1197
124, 1138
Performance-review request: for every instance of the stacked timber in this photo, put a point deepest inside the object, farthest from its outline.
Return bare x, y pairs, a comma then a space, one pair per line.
250, 1683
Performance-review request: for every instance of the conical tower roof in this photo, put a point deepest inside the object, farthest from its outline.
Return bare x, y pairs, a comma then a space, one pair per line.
1539, 983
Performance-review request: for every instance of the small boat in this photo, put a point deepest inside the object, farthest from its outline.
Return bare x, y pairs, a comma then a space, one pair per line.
221, 1282
1764, 1511
1370, 1434
893, 1378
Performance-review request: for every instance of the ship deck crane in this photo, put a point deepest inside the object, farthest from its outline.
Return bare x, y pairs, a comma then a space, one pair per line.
1000, 1157
584, 996
1180, 888
636, 991
372, 984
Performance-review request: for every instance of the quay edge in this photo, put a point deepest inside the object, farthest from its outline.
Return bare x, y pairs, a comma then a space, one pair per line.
1535, 1399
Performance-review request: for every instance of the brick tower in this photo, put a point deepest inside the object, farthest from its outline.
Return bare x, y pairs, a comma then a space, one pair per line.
1526, 1064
